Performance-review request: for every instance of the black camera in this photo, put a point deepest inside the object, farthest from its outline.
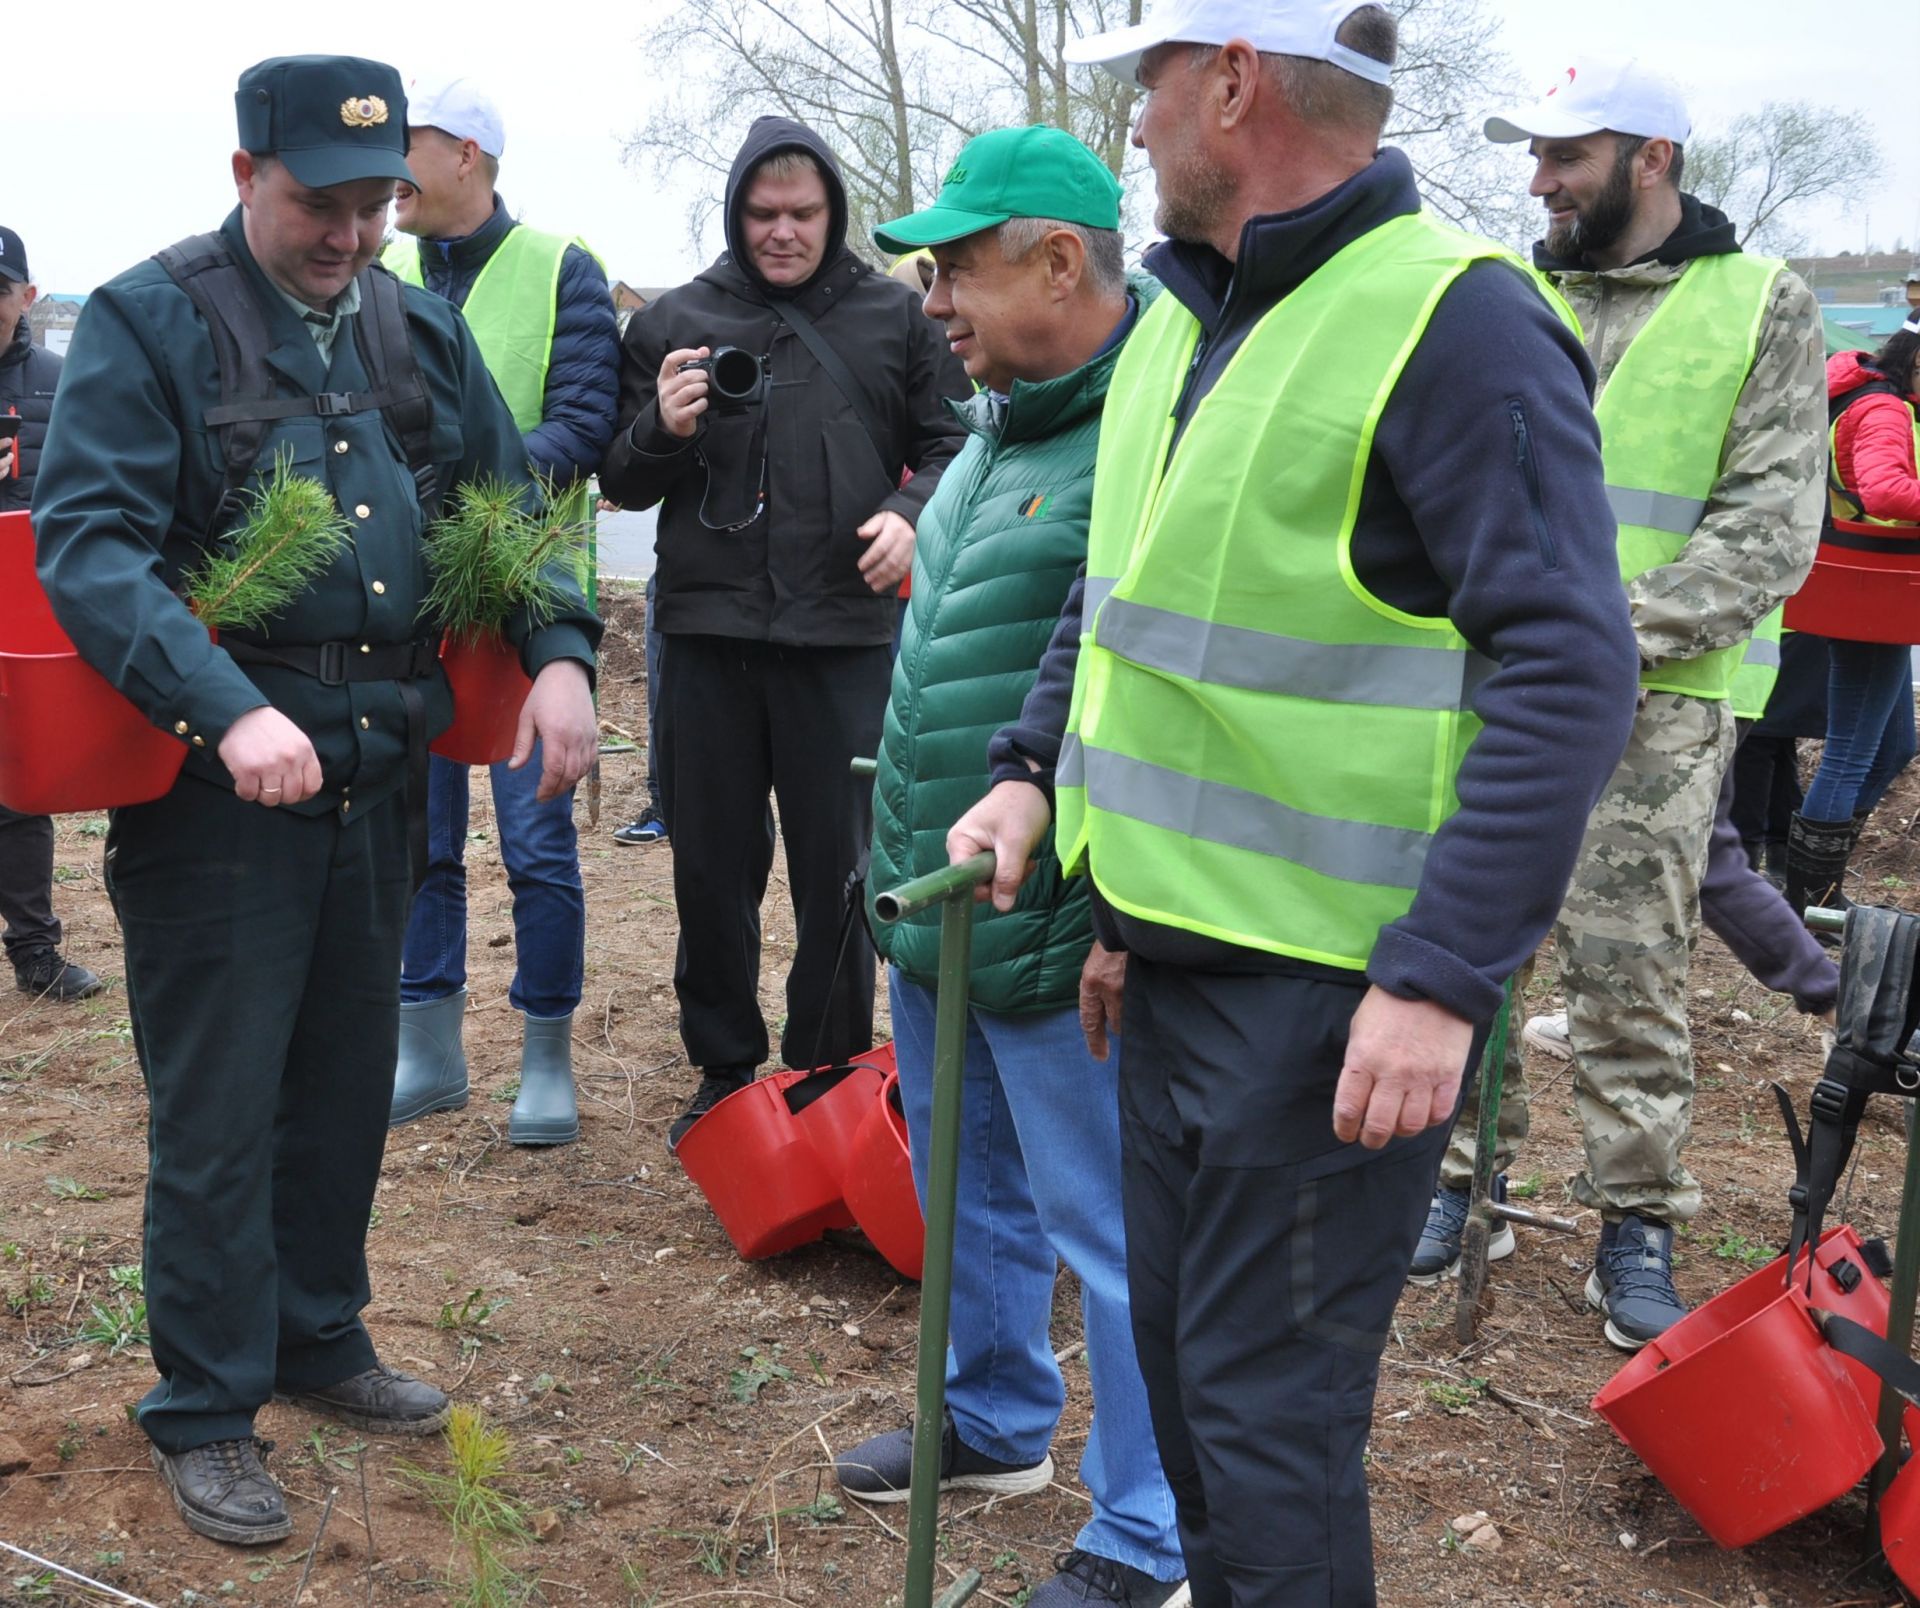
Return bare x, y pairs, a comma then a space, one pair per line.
737, 378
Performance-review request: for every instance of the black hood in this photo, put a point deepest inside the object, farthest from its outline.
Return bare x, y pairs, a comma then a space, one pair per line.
16, 349
770, 134
1703, 231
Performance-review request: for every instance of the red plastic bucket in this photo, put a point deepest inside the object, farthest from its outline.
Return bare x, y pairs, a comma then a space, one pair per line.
1860, 597
1744, 1412
489, 690
760, 1173
879, 1184
828, 1106
68, 740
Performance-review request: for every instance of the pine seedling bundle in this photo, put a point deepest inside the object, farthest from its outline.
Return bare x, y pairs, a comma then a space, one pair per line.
292, 530
490, 557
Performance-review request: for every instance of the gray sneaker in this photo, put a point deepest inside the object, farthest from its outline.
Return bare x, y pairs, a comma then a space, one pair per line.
1086, 1577
881, 1469
1549, 1033
223, 1491
1632, 1282
1437, 1256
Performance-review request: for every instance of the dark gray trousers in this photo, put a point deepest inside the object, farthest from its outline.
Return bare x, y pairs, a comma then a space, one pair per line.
1264, 1260
26, 884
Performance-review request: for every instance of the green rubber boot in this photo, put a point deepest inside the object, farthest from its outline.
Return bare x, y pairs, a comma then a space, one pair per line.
545, 1113
431, 1074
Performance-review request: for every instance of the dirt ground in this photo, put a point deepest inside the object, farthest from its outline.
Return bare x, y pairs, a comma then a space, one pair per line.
671, 1409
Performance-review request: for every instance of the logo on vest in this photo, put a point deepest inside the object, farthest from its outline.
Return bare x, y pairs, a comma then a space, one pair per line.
363, 111
1036, 506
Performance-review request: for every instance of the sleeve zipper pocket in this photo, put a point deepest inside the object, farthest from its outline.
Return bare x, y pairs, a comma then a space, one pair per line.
1530, 473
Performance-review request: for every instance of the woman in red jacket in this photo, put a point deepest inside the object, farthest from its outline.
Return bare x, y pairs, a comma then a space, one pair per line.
1875, 499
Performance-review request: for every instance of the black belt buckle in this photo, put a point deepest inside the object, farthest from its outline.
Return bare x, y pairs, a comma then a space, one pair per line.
426, 654
331, 404
330, 664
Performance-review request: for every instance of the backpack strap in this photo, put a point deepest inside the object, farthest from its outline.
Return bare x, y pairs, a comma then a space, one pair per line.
386, 348
218, 286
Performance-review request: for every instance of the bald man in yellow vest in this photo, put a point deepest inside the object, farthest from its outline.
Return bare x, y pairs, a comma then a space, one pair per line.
543, 318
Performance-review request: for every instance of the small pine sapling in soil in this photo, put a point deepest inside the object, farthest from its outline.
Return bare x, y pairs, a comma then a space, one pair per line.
490, 558
292, 531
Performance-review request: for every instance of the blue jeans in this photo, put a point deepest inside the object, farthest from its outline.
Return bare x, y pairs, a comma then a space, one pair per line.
1870, 735
542, 856
1040, 1184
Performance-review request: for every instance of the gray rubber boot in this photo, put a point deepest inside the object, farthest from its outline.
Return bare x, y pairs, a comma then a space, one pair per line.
431, 1074
545, 1113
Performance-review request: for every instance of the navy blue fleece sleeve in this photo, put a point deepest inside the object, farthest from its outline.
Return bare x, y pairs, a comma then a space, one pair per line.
1042, 726
1491, 445
581, 404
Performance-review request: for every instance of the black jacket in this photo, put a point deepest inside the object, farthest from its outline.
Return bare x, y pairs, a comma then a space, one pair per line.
790, 575
1484, 500
28, 374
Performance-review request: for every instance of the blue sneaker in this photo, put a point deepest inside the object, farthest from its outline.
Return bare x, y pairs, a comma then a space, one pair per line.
1437, 1256
648, 828
1632, 1282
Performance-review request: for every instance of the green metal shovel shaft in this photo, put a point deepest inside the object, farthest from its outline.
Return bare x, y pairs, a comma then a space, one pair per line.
952, 889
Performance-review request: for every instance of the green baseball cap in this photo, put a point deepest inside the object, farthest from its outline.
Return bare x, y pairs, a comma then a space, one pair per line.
1035, 172
331, 119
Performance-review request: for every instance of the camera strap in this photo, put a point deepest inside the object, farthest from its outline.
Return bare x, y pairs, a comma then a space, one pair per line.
829, 359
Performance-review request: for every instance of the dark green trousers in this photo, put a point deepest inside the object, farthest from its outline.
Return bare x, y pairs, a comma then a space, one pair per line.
263, 979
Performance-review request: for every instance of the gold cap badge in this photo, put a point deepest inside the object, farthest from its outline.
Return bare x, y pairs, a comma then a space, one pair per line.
363, 111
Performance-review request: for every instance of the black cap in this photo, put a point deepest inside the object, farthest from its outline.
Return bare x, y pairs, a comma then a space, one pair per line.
331, 119
13, 257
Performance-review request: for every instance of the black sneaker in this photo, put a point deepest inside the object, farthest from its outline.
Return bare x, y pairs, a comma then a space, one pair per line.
1632, 1282
1437, 1255
715, 1086
881, 1469
1086, 1577
223, 1491
44, 974
647, 827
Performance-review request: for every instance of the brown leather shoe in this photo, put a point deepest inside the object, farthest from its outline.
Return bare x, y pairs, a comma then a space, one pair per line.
223, 1490
383, 1401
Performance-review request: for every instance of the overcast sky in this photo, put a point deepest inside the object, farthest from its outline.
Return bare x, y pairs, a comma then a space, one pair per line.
120, 117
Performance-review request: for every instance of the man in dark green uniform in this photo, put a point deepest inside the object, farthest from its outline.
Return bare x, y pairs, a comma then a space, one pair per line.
264, 898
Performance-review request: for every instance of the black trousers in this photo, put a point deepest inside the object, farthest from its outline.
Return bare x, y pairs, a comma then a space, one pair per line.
26, 884
263, 976
1264, 1261
739, 720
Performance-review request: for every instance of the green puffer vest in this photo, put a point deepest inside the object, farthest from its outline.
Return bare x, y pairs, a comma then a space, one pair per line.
997, 551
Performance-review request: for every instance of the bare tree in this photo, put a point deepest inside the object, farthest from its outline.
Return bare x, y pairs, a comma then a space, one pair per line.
1771, 161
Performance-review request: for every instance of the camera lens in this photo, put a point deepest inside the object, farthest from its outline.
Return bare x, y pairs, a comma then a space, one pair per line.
735, 372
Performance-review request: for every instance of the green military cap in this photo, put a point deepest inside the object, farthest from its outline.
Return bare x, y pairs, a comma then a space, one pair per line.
1034, 172
329, 118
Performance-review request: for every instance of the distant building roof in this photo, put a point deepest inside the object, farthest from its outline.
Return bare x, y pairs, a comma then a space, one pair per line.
1864, 322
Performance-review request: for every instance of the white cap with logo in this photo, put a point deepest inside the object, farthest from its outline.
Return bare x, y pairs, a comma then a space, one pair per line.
1282, 27
457, 106
1598, 92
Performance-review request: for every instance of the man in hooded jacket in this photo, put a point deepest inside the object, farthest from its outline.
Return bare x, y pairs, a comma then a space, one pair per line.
784, 530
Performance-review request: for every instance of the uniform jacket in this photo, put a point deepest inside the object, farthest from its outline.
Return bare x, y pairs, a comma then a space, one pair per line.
130, 479
790, 576
1762, 526
28, 374
1873, 441
1000, 544
1484, 499
582, 400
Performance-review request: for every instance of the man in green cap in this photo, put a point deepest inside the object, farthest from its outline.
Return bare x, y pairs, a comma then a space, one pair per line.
263, 899
1029, 280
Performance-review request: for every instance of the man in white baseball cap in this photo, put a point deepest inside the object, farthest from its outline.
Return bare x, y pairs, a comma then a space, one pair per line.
1713, 429
543, 317
1347, 510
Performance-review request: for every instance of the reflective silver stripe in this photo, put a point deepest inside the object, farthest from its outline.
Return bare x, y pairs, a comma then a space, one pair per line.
1656, 510
1349, 851
1071, 771
1099, 589
1401, 677
1763, 653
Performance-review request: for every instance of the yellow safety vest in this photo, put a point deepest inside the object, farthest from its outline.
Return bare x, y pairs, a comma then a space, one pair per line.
1664, 413
1753, 682
1260, 750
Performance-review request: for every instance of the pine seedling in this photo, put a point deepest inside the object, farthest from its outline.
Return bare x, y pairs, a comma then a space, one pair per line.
490, 557
291, 533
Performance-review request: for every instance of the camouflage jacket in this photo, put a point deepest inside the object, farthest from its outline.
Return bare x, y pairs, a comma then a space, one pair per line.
1756, 542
